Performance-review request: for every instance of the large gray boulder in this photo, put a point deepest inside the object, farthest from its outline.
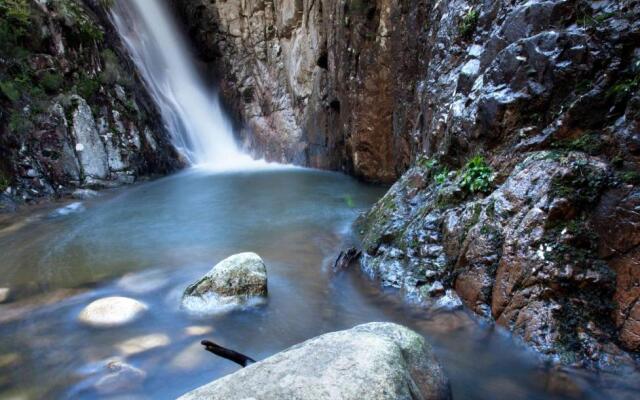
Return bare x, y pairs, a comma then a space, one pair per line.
372, 361
233, 281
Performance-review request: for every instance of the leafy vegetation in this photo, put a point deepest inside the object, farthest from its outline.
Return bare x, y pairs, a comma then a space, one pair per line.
627, 84
15, 17
469, 24
583, 185
20, 123
587, 19
477, 176
87, 30
10, 91
425, 162
4, 182
630, 177
87, 87
17, 13
52, 81
590, 143
441, 176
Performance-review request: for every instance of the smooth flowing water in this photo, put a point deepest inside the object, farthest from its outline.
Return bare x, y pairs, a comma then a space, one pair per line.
150, 241
191, 111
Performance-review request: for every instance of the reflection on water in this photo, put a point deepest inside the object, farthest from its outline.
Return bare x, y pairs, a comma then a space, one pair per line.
151, 241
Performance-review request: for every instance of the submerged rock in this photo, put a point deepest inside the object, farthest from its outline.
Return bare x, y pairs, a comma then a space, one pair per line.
144, 343
372, 361
5, 293
69, 209
84, 194
233, 281
120, 377
112, 312
197, 330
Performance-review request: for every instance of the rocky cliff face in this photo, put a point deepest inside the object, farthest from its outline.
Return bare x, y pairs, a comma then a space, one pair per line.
520, 120
72, 111
320, 83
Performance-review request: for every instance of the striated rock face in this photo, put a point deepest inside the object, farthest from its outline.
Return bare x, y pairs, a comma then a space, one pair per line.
372, 361
73, 113
320, 83
367, 86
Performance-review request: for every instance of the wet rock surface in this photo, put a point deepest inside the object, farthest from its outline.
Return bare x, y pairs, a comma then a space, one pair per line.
234, 280
73, 113
529, 255
366, 87
376, 360
112, 312
520, 121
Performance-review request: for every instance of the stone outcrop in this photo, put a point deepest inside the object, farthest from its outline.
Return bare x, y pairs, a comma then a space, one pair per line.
320, 83
549, 253
233, 281
366, 87
372, 361
73, 113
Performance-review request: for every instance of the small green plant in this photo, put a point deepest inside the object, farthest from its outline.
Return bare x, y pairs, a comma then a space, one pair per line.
19, 123
52, 82
348, 199
630, 177
477, 176
628, 85
87, 87
590, 143
87, 30
17, 12
441, 177
4, 182
624, 87
469, 23
10, 91
426, 162
586, 19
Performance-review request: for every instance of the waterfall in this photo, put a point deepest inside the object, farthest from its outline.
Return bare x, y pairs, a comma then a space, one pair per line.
190, 111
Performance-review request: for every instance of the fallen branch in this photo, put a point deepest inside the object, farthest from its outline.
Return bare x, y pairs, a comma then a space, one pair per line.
346, 258
226, 353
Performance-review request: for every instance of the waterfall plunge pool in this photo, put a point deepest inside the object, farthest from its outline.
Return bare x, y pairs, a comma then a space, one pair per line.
150, 241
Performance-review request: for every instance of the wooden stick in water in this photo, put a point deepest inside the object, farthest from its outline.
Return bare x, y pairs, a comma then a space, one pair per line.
226, 353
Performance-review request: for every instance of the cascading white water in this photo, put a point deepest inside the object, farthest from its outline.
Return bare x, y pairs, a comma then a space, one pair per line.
191, 112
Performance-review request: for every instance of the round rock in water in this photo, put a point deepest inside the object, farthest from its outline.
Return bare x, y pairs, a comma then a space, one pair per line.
233, 281
111, 312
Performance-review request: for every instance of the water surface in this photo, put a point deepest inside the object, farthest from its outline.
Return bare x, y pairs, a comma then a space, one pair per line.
150, 241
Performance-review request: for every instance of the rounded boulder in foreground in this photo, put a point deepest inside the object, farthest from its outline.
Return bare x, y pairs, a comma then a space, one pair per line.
381, 361
111, 312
